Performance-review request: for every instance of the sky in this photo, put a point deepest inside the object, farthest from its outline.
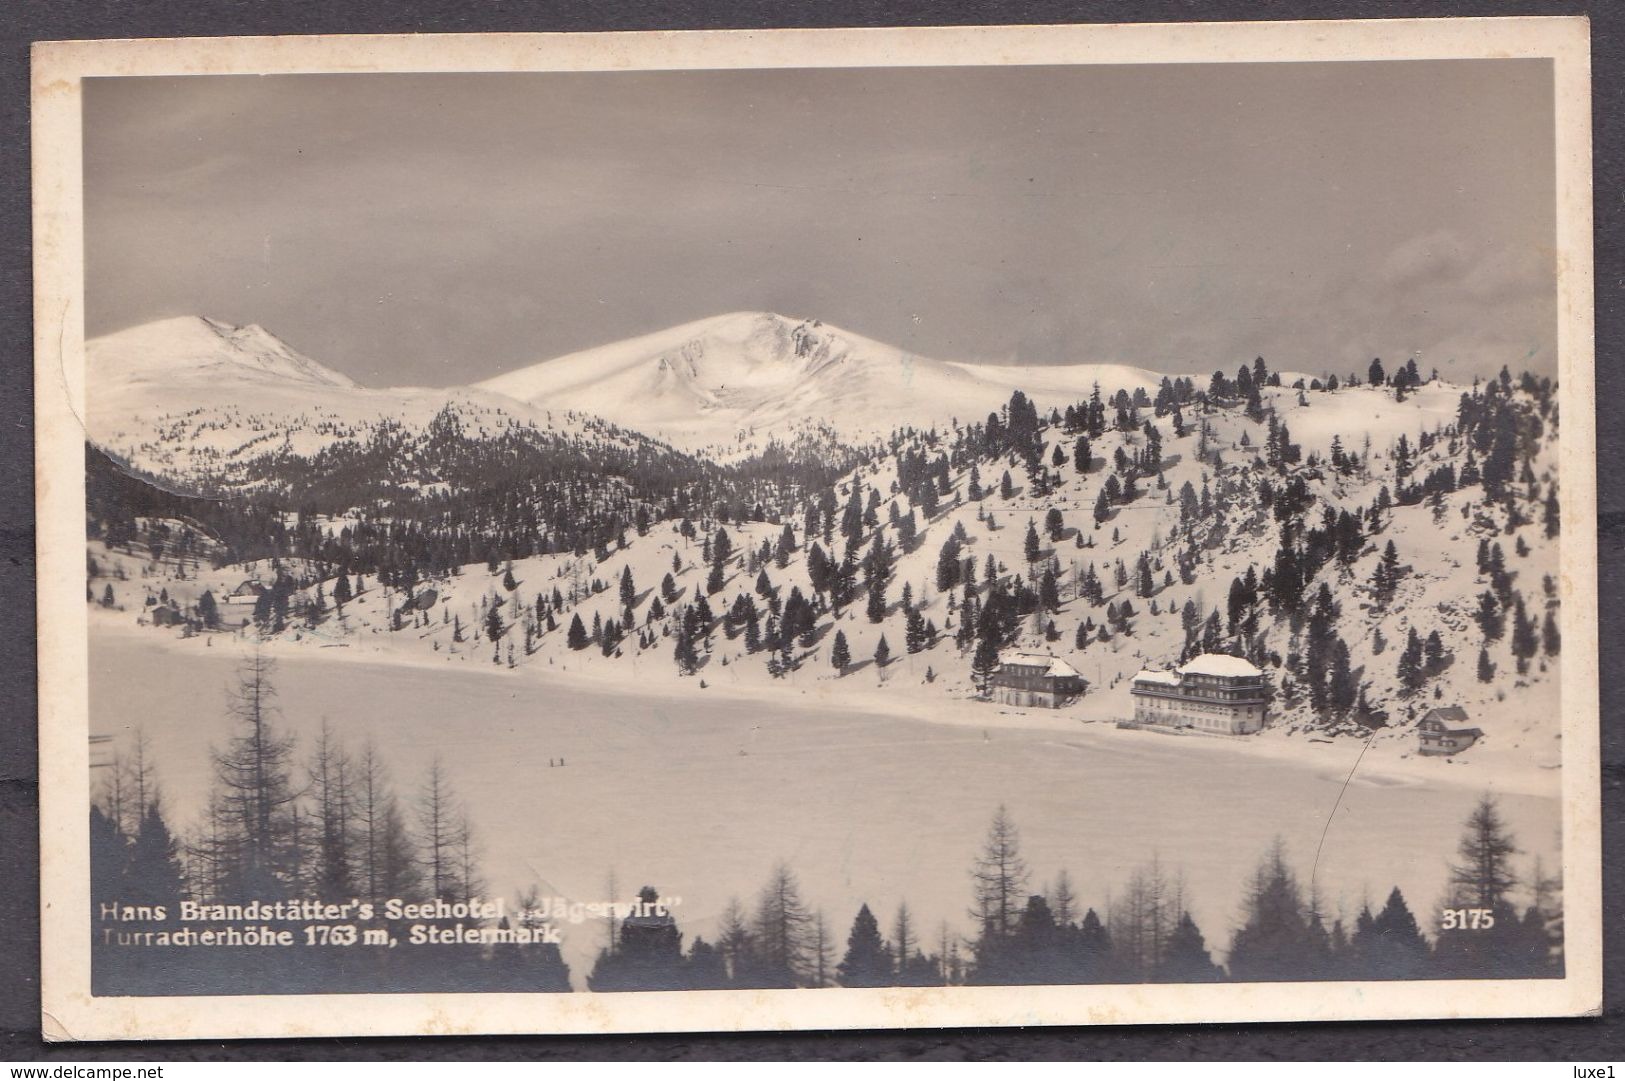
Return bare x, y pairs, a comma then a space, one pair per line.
441, 229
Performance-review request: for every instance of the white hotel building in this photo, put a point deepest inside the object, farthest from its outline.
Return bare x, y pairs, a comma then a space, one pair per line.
1214, 692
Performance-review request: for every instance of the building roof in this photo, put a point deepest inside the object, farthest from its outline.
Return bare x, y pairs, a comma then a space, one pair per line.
1218, 664
1446, 713
1149, 675
1053, 666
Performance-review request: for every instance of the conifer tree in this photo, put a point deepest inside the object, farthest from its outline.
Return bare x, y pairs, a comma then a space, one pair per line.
331, 790
1483, 875
209, 612
786, 547
1049, 590
445, 836
840, 654
1490, 617
386, 860
914, 636
152, 872
868, 961
1525, 636
1063, 901
878, 572
999, 877
645, 954
907, 529
1144, 584
1390, 946
1386, 578
1434, 654
254, 788
1186, 958
983, 664
685, 650
781, 931
1480, 934
1410, 662
875, 608
1342, 690
1273, 942
948, 566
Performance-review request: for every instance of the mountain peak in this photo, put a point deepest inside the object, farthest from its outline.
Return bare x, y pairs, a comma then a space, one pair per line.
757, 320
724, 382
194, 347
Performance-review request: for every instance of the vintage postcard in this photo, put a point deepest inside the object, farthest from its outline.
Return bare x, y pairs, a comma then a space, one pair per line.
816, 529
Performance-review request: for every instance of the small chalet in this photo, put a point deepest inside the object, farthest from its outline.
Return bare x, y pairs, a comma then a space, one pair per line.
247, 592
1034, 679
1445, 731
167, 614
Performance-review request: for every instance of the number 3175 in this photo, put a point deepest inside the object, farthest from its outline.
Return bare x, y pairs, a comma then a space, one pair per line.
1468, 919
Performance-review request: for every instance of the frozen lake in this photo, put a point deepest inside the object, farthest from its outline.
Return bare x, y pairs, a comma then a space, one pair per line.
699, 794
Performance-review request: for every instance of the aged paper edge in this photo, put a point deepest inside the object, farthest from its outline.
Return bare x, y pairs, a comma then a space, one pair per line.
69, 1012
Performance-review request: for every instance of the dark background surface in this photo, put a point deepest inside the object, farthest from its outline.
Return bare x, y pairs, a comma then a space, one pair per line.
1581, 1040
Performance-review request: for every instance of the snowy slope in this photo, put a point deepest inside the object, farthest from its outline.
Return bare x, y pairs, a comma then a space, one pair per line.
1435, 545
717, 382
194, 395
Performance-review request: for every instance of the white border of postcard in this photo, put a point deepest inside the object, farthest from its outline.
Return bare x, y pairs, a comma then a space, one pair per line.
71, 1013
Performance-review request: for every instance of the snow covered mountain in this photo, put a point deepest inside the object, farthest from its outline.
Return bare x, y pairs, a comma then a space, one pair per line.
194, 398
201, 402
726, 383
199, 352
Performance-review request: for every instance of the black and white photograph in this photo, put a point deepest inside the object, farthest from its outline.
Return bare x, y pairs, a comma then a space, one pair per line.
1114, 528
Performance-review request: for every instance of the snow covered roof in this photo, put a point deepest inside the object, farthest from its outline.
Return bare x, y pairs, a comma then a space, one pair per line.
1053, 666
1218, 664
1449, 718
1149, 675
